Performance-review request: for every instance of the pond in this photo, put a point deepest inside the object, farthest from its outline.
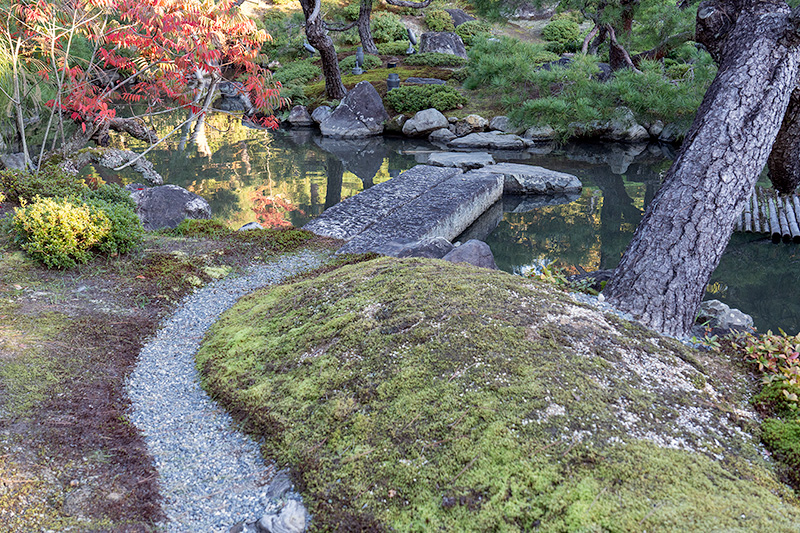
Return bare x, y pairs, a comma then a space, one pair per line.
287, 177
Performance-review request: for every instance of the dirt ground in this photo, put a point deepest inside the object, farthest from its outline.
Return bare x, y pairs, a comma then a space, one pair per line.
69, 458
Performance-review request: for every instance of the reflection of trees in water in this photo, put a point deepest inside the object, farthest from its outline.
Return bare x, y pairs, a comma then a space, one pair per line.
763, 280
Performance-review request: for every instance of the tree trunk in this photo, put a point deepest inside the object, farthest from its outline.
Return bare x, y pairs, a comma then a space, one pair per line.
784, 161
663, 274
367, 43
318, 38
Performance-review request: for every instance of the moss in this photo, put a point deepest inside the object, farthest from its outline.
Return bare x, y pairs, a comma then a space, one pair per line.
783, 439
416, 395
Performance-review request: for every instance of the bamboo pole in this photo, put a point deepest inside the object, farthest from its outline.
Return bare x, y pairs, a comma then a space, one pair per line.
748, 216
756, 213
794, 228
774, 224
784, 220
796, 203
737, 226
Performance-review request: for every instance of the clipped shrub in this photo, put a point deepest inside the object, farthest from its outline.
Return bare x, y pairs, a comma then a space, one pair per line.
413, 98
370, 62
471, 29
60, 232
394, 48
439, 20
126, 230
782, 438
435, 59
561, 31
111, 193
51, 181
387, 27
297, 72
191, 227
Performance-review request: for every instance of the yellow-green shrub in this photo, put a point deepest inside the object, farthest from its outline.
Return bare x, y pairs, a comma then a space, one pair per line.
60, 232
49, 181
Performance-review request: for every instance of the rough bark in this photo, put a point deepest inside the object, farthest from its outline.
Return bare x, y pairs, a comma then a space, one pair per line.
784, 161
664, 271
364, 32
318, 38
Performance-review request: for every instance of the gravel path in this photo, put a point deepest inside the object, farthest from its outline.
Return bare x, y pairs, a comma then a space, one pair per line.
212, 477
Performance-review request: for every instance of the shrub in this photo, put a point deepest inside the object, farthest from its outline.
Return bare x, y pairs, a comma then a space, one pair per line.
471, 29
394, 48
60, 232
370, 62
439, 20
351, 11
387, 27
561, 31
349, 37
435, 59
294, 92
413, 98
126, 230
111, 193
49, 182
298, 72
190, 227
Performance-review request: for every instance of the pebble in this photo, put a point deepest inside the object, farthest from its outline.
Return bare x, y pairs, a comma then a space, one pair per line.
212, 477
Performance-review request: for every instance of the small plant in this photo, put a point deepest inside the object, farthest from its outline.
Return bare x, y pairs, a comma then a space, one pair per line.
190, 227
60, 232
413, 98
777, 357
439, 20
469, 30
435, 59
50, 181
370, 62
387, 27
561, 31
394, 48
298, 72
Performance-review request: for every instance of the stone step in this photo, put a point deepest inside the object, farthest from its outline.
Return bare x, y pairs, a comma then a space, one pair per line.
422, 203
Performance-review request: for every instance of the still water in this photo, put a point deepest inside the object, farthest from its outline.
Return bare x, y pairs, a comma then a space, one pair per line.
287, 177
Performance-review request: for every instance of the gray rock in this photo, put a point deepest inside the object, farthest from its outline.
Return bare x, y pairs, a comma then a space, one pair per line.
720, 315
395, 124
251, 225
534, 11
292, 519
359, 114
166, 206
425, 81
529, 179
490, 140
299, 116
459, 16
475, 253
321, 113
13, 161
435, 248
462, 160
424, 122
515, 203
656, 128
671, 133
442, 42
624, 128
279, 486
470, 124
442, 135
540, 133
503, 123
231, 104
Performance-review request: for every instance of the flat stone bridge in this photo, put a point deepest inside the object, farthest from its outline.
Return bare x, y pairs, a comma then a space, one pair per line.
426, 202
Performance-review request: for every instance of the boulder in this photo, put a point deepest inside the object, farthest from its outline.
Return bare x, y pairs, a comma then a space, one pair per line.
442, 42
165, 206
359, 114
321, 113
540, 133
671, 133
13, 161
503, 124
424, 122
250, 226
424, 81
534, 11
299, 116
469, 124
291, 519
459, 16
475, 253
624, 128
721, 316
442, 135
529, 179
462, 160
656, 128
491, 140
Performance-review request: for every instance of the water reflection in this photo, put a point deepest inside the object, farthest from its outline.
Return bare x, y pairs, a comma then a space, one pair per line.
290, 176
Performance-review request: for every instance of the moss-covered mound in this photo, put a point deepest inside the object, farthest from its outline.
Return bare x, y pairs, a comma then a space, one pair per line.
417, 395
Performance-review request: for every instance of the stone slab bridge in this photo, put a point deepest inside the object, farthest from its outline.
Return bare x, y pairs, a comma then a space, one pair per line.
426, 202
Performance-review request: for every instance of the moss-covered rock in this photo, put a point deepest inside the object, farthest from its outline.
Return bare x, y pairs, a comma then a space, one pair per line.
417, 395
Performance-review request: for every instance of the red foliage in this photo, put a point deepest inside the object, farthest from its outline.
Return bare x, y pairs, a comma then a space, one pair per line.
271, 210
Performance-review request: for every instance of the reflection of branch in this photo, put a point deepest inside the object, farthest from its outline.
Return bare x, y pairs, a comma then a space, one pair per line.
159, 141
111, 157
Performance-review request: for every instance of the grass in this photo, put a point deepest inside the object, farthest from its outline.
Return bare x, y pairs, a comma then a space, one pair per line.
415, 395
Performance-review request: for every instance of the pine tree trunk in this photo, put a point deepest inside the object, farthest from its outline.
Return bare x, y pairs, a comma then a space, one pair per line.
663, 274
364, 32
318, 38
784, 161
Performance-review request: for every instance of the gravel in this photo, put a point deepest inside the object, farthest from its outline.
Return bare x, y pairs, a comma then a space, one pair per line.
212, 476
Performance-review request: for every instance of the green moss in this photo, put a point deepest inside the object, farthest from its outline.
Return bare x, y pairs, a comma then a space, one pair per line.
417, 395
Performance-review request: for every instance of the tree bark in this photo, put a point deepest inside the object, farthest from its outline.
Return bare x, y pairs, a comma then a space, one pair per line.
663, 273
318, 38
364, 32
784, 161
